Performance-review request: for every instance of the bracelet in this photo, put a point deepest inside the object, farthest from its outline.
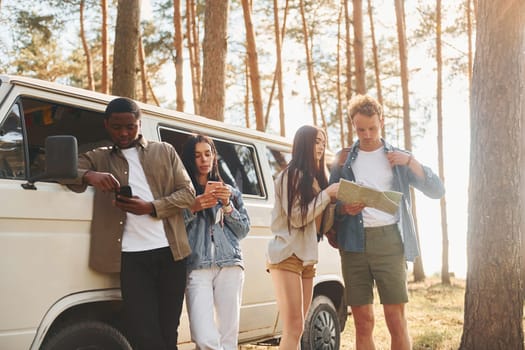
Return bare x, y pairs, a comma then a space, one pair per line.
227, 208
84, 176
153, 211
409, 160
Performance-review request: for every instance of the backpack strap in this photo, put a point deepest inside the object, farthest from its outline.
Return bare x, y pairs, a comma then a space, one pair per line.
335, 173
343, 154
331, 232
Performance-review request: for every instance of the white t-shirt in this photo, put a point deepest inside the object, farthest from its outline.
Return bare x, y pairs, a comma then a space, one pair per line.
142, 232
373, 169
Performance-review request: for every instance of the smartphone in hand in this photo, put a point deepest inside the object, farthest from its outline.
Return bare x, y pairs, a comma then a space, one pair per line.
124, 191
211, 185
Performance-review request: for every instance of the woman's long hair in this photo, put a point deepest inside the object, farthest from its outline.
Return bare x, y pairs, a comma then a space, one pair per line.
188, 159
303, 169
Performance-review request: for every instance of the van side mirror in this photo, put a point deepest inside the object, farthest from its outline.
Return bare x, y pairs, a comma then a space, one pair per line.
61, 160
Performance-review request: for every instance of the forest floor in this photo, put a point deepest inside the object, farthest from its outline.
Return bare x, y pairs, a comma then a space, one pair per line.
435, 318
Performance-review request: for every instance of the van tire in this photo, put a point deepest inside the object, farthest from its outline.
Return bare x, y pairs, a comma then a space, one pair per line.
322, 329
92, 335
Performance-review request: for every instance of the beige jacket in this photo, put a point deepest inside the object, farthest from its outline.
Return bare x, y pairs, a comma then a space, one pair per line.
171, 187
300, 240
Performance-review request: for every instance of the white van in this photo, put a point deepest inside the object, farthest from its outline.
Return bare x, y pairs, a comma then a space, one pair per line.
49, 298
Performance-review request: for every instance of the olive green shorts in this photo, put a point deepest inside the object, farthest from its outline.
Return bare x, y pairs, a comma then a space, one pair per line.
294, 264
383, 262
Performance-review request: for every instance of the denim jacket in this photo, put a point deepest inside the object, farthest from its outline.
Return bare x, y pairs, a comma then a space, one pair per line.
226, 234
350, 229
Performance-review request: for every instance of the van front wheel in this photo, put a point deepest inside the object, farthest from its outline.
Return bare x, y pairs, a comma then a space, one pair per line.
321, 330
92, 335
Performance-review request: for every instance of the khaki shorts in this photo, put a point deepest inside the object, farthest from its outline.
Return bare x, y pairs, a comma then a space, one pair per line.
383, 262
294, 264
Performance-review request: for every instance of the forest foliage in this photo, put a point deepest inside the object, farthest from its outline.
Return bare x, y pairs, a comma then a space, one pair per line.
44, 42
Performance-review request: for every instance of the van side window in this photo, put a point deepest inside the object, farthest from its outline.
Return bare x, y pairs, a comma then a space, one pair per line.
241, 165
46, 118
278, 160
12, 165
238, 163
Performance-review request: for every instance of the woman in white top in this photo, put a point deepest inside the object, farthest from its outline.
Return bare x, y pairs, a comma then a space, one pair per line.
301, 196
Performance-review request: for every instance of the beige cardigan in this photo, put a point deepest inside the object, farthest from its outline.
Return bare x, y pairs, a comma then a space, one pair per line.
302, 240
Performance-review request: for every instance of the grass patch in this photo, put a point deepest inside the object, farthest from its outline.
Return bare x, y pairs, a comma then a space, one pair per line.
431, 340
434, 313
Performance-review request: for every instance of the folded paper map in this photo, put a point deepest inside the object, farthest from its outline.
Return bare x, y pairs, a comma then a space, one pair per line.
387, 201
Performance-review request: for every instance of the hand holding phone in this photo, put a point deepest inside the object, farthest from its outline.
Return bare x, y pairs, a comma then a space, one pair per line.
211, 185
220, 191
124, 191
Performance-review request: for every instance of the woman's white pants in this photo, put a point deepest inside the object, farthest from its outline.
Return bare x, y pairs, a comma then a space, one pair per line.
213, 301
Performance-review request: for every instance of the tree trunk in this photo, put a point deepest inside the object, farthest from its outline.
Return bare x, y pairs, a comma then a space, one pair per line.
403, 63
85, 46
214, 49
143, 72
152, 93
282, 126
348, 55
247, 93
494, 294
339, 110
253, 64
193, 49
177, 45
104, 85
375, 55
419, 274
87, 52
278, 67
125, 51
359, 55
469, 38
445, 275
321, 111
309, 65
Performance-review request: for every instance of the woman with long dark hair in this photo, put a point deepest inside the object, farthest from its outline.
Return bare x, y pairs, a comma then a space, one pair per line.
302, 194
215, 223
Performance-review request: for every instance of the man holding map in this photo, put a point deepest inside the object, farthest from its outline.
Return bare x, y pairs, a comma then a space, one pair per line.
375, 228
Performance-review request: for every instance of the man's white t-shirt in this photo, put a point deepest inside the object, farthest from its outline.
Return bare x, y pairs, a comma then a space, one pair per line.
372, 169
142, 232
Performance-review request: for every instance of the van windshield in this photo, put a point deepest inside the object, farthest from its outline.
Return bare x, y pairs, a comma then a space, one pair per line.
12, 165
